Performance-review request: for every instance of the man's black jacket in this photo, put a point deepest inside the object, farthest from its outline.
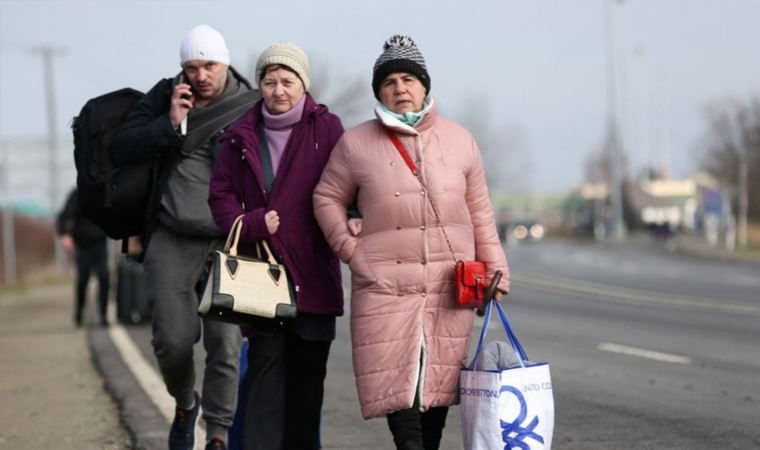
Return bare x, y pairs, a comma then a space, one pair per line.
148, 135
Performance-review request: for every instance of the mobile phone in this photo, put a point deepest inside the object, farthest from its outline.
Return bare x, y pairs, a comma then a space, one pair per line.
182, 80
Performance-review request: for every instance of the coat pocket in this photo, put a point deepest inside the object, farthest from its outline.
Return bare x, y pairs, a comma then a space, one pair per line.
361, 272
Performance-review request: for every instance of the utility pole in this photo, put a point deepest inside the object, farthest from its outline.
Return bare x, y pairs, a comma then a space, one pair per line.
9, 243
743, 196
616, 182
47, 53
737, 127
743, 180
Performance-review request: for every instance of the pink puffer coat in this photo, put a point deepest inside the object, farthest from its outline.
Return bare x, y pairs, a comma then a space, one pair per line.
406, 331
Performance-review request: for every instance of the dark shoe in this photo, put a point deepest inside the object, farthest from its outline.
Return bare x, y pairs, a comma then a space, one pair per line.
216, 444
182, 433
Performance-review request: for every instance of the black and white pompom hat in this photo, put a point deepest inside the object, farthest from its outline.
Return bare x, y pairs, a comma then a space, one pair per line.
400, 54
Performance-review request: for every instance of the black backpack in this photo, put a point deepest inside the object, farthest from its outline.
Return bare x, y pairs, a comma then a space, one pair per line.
113, 198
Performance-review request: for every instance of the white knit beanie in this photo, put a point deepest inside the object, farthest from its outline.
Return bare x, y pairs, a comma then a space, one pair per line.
288, 55
203, 43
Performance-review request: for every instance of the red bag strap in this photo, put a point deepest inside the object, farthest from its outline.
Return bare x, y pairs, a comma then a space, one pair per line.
416, 172
402, 151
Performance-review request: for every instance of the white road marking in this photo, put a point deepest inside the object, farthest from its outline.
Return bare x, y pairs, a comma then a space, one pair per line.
148, 378
643, 353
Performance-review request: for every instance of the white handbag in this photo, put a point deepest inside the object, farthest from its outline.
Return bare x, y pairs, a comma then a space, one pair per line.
245, 290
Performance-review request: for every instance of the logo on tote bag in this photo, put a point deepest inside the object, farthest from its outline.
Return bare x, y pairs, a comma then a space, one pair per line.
514, 433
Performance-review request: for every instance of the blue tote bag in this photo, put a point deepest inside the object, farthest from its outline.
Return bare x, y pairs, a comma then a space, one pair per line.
506, 409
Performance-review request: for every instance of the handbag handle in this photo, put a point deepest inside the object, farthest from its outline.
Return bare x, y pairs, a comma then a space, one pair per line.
270, 255
234, 237
519, 350
416, 172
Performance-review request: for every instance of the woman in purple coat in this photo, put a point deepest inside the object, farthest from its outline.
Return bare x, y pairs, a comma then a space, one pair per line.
267, 168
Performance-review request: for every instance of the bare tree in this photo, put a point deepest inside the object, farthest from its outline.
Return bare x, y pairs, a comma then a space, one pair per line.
348, 97
506, 168
597, 166
733, 142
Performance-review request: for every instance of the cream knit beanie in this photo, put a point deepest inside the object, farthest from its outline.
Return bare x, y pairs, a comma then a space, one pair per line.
288, 55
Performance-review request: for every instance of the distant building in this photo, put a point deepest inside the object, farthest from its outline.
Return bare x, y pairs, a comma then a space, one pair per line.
675, 204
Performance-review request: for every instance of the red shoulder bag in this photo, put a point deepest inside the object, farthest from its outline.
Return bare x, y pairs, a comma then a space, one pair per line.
473, 289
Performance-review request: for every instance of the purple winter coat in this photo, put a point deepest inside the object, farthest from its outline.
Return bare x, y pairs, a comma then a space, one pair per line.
237, 187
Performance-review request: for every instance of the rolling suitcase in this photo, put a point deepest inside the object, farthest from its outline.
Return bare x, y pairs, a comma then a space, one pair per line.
131, 292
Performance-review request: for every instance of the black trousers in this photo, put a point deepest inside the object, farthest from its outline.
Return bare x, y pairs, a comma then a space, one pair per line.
284, 387
415, 430
91, 259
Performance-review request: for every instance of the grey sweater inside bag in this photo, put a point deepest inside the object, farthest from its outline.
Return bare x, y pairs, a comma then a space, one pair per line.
497, 355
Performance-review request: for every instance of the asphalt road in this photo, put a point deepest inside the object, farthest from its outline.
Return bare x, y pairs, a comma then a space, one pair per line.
597, 312
647, 350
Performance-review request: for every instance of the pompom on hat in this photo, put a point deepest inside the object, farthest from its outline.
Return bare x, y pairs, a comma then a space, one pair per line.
285, 54
205, 44
400, 54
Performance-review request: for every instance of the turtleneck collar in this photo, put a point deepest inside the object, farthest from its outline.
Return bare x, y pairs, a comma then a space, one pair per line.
286, 119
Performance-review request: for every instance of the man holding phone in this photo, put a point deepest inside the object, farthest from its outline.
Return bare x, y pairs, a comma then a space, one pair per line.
177, 123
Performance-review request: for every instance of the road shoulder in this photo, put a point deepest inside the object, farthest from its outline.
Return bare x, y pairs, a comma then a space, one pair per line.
52, 395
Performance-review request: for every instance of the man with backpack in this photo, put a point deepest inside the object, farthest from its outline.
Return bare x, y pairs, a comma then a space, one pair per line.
177, 124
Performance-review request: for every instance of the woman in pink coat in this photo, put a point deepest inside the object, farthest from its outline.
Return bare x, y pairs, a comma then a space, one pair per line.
409, 338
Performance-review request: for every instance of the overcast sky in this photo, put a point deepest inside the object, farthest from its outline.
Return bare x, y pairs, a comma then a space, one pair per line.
538, 68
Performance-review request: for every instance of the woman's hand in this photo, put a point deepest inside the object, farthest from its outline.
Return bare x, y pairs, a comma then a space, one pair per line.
272, 221
355, 227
